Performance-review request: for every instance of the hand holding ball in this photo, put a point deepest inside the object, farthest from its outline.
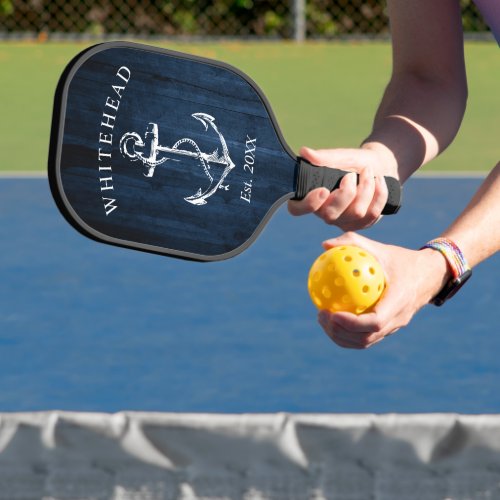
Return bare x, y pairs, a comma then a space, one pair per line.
346, 278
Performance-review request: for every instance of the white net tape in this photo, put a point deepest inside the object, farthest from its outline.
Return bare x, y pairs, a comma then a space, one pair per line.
160, 456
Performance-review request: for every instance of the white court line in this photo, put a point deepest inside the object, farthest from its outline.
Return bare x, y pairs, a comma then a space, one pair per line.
23, 175
454, 174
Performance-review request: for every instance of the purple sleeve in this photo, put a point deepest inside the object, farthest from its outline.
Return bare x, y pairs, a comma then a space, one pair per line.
490, 9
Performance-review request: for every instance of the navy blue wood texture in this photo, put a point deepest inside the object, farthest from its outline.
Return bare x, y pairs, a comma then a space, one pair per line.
166, 152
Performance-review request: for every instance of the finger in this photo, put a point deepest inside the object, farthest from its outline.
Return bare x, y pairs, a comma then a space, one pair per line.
365, 191
338, 201
353, 341
356, 215
378, 250
338, 334
311, 155
333, 206
362, 324
362, 340
380, 196
311, 203
366, 208
341, 340
345, 344
373, 325
348, 238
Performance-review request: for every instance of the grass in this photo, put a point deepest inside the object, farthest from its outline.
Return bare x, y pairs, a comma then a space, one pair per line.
323, 94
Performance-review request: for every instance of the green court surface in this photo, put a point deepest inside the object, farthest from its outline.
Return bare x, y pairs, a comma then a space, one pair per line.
323, 94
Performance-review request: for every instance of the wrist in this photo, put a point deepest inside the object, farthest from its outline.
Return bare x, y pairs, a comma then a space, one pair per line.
457, 265
386, 157
437, 272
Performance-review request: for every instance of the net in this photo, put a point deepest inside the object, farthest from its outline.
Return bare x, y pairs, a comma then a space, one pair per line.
159, 456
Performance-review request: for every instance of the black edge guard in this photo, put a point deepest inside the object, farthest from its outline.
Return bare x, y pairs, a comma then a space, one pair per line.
309, 177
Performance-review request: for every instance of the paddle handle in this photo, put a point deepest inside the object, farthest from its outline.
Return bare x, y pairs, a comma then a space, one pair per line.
309, 177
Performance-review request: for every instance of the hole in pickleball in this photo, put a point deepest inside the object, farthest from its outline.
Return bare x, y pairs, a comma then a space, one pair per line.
348, 258
317, 276
336, 306
362, 254
339, 281
366, 289
379, 287
330, 268
346, 299
327, 293
372, 270
360, 309
317, 300
356, 273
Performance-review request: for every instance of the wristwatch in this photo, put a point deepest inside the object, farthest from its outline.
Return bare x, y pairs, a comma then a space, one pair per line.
460, 270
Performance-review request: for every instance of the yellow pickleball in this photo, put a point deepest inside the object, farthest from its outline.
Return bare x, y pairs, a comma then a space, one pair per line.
346, 278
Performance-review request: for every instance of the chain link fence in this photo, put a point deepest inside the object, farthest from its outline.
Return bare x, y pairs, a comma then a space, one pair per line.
284, 19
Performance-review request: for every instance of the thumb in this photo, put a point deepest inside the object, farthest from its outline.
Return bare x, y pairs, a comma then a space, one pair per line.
351, 159
349, 238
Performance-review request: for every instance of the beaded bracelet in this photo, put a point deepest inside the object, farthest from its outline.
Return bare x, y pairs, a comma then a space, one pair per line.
452, 254
459, 267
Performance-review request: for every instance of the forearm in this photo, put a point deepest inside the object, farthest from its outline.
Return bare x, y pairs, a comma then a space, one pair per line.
416, 120
424, 103
477, 230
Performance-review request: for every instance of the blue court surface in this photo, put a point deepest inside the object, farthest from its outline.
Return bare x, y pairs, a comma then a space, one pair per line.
90, 327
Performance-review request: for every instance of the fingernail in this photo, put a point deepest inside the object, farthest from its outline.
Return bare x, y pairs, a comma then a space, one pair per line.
324, 194
305, 151
323, 317
348, 178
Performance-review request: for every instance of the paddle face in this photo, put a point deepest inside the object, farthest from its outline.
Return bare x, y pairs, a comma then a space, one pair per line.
165, 152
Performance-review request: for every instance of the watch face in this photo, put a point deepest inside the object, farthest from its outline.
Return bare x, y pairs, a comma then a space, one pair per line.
451, 288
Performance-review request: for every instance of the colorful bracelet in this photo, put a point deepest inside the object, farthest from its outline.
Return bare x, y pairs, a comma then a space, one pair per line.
452, 254
458, 265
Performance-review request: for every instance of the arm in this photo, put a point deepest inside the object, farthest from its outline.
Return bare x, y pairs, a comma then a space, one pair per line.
419, 114
424, 103
477, 230
415, 277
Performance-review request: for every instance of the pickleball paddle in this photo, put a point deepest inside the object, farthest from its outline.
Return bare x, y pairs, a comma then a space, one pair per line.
171, 153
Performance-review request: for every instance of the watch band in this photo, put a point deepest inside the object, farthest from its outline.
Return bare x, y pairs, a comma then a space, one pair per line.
458, 265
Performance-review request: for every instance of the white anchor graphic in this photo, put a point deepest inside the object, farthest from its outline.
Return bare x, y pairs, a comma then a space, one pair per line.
132, 146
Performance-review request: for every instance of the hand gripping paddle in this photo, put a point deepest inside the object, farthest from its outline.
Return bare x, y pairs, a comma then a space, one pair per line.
171, 153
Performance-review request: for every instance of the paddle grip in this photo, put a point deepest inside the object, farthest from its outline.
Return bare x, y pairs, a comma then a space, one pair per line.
310, 177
